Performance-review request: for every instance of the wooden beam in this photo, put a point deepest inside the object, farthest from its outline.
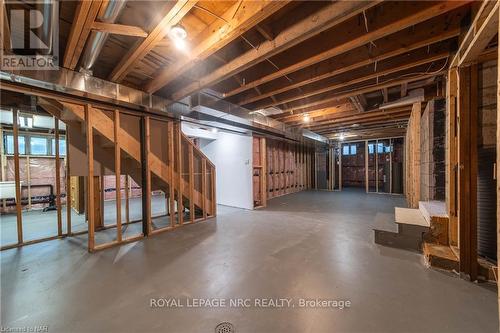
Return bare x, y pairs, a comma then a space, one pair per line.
375, 75
498, 163
482, 30
119, 29
237, 20
390, 28
324, 19
139, 51
68, 186
265, 31
364, 90
85, 15
171, 163
345, 68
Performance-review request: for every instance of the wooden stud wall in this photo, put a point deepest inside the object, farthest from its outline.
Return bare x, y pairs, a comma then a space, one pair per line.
412, 161
290, 167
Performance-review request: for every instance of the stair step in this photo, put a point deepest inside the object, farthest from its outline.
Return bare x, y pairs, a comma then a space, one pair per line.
398, 240
440, 256
410, 216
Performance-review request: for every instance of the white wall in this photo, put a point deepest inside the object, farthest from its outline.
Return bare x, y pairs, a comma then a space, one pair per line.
232, 156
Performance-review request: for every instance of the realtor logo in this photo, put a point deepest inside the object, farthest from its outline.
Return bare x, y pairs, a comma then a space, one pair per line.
30, 32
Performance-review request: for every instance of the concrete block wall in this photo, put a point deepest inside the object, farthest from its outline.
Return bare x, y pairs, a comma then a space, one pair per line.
432, 153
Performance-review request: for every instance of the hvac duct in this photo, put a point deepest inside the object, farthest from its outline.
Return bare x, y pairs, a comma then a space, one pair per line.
97, 39
50, 14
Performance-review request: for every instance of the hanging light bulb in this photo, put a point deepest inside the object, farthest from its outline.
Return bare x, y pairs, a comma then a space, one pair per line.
341, 137
178, 35
306, 118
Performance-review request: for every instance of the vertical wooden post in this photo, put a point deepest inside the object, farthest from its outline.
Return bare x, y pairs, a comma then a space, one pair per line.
191, 183
28, 175
204, 186
127, 196
58, 177
366, 166
17, 177
214, 194
498, 163
451, 154
68, 186
263, 171
390, 164
118, 185
171, 162
340, 166
146, 177
180, 203
90, 177
467, 171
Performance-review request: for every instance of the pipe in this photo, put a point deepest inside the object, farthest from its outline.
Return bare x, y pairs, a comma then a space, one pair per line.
97, 39
45, 32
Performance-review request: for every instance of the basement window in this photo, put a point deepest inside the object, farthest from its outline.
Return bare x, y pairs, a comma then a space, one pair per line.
62, 147
9, 144
38, 145
349, 150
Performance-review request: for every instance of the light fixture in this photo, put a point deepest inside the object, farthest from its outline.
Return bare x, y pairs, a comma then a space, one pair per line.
178, 34
306, 118
341, 137
213, 130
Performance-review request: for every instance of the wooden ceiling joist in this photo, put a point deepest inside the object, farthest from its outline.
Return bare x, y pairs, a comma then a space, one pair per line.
85, 15
237, 20
390, 28
369, 61
362, 79
119, 29
483, 29
137, 53
324, 19
371, 88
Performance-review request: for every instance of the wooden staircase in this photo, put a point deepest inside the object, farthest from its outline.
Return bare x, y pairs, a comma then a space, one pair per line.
174, 164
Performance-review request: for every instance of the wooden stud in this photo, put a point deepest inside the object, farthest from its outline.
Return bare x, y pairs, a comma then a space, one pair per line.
90, 177
180, 203
127, 196
191, 183
204, 186
171, 160
146, 177
118, 177
17, 176
58, 177
68, 186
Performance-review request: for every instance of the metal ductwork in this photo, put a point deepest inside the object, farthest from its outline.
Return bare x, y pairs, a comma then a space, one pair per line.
50, 15
97, 39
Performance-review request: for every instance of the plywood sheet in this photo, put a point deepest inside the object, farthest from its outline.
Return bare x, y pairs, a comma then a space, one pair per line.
410, 216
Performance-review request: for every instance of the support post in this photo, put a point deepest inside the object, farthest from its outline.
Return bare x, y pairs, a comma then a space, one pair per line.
180, 204
146, 177
191, 184
17, 177
90, 177
118, 185
58, 177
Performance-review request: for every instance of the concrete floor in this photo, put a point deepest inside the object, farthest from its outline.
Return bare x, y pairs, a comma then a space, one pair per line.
38, 224
304, 245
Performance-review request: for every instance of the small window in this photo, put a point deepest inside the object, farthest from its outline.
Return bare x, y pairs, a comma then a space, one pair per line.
9, 145
38, 146
380, 148
353, 149
371, 148
345, 150
62, 146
